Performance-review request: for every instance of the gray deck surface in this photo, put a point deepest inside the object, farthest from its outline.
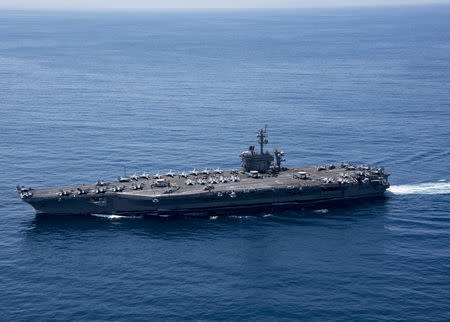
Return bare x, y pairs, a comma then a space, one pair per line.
283, 179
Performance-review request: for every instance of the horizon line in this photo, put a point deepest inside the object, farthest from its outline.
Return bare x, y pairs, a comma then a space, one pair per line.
341, 6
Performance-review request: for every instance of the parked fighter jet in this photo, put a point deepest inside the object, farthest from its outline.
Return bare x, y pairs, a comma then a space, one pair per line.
123, 179
99, 190
144, 175
118, 188
64, 193
26, 194
81, 191
138, 186
23, 188
101, 183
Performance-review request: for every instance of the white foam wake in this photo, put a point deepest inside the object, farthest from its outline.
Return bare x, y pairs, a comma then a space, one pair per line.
427, 188
112, 217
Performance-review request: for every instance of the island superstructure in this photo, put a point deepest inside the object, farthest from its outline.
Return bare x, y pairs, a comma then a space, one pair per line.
261, 182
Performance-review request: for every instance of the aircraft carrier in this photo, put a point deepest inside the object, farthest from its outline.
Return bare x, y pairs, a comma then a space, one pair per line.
262, 181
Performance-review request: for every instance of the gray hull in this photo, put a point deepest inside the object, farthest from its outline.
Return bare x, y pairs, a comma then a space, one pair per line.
262, 182
250, 193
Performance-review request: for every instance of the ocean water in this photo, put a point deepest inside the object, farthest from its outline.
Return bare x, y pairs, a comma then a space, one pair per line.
83, 94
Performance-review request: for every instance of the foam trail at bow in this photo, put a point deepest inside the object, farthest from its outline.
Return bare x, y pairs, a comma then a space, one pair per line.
112, 217
427, 188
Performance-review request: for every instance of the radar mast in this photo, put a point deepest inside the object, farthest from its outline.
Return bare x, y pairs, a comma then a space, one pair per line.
262, 134
260, 162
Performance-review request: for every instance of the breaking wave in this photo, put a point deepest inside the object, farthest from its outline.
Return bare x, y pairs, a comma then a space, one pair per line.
113, 217
427, 188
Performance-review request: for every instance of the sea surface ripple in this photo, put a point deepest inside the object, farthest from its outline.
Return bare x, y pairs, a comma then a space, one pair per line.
83, 94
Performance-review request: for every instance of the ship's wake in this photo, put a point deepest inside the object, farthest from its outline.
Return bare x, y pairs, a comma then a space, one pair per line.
114, 217
427, 188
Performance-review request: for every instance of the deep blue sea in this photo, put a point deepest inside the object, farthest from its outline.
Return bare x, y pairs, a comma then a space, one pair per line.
83, 94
